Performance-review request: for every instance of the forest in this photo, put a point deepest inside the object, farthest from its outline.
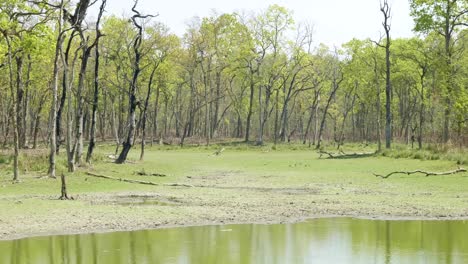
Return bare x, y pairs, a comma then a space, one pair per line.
70, 80
242, 140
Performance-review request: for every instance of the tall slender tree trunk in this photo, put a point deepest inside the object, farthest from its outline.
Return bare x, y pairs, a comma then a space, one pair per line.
69, 139
316, 121
20, 94
92, 141
250, 111
26, 102
155, 116
260, 117
449, 84
53, 109
422, 110
276, 118
128, 143
65, 84
37, 121
66, 95
145, 114
115, 128
78, 146
385, 9
14, 107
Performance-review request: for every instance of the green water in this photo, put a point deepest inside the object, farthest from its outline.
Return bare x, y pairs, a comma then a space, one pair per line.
333, 240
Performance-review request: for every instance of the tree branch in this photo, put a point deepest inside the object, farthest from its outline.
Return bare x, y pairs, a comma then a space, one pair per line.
426, 173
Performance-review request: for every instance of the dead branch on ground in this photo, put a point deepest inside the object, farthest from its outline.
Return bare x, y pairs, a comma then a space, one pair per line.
343, 155
138, 181
426, 173
142, 172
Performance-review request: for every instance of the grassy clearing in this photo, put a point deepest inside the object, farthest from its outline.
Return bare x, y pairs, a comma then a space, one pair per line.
243, 184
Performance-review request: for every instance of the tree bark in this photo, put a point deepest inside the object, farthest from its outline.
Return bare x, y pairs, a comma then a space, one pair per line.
385, 9
65, 84
14, 106
145, 114
92, 141
128, 143
53, 110
250, 111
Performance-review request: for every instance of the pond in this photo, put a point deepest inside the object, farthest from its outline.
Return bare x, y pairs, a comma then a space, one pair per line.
327, 240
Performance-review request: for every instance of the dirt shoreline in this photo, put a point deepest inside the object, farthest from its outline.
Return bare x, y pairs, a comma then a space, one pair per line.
17, 236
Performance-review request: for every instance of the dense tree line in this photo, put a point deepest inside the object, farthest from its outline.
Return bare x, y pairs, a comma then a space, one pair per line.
67, 79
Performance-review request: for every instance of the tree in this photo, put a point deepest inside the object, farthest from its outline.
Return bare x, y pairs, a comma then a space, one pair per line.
92, 141
444, 17
160, 45
269, 31
386, 12
335, 69
133, 102
53, 109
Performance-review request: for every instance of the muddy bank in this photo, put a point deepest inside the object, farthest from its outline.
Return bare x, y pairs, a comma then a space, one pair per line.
178, 207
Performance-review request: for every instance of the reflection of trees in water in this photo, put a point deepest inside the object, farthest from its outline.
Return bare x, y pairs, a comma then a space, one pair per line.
324, 240
94, 245
388, 253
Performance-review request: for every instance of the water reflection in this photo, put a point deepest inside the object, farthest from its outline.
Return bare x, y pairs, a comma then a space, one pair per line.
335, 240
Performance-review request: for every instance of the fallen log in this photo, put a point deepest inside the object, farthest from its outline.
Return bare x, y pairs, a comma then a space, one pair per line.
343, 155
144, 173
322, 152
137, 181
426, 173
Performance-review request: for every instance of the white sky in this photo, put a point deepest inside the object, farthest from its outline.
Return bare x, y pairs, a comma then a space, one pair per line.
335, 21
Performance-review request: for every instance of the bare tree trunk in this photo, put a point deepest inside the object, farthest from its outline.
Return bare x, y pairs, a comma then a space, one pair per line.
145, 114
215, 122
103, 116
128, 143
155, 116
14, 106
421, 116
66, 90
378, 110
27, 97
65, 84
316, 121
385, 9
78, 146
92, 141
250, 111
37, 121
53, 110
260, 117
276, 118
115, 129
19, 111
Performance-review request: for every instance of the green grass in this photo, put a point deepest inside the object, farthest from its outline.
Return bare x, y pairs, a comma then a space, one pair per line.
431, 152
243, 184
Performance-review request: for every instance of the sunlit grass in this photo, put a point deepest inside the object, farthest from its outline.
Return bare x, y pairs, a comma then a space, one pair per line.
243, 184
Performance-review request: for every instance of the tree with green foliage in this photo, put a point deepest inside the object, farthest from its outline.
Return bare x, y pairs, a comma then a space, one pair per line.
446, 17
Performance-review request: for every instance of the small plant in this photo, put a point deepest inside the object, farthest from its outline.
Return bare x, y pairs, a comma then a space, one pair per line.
4, 159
